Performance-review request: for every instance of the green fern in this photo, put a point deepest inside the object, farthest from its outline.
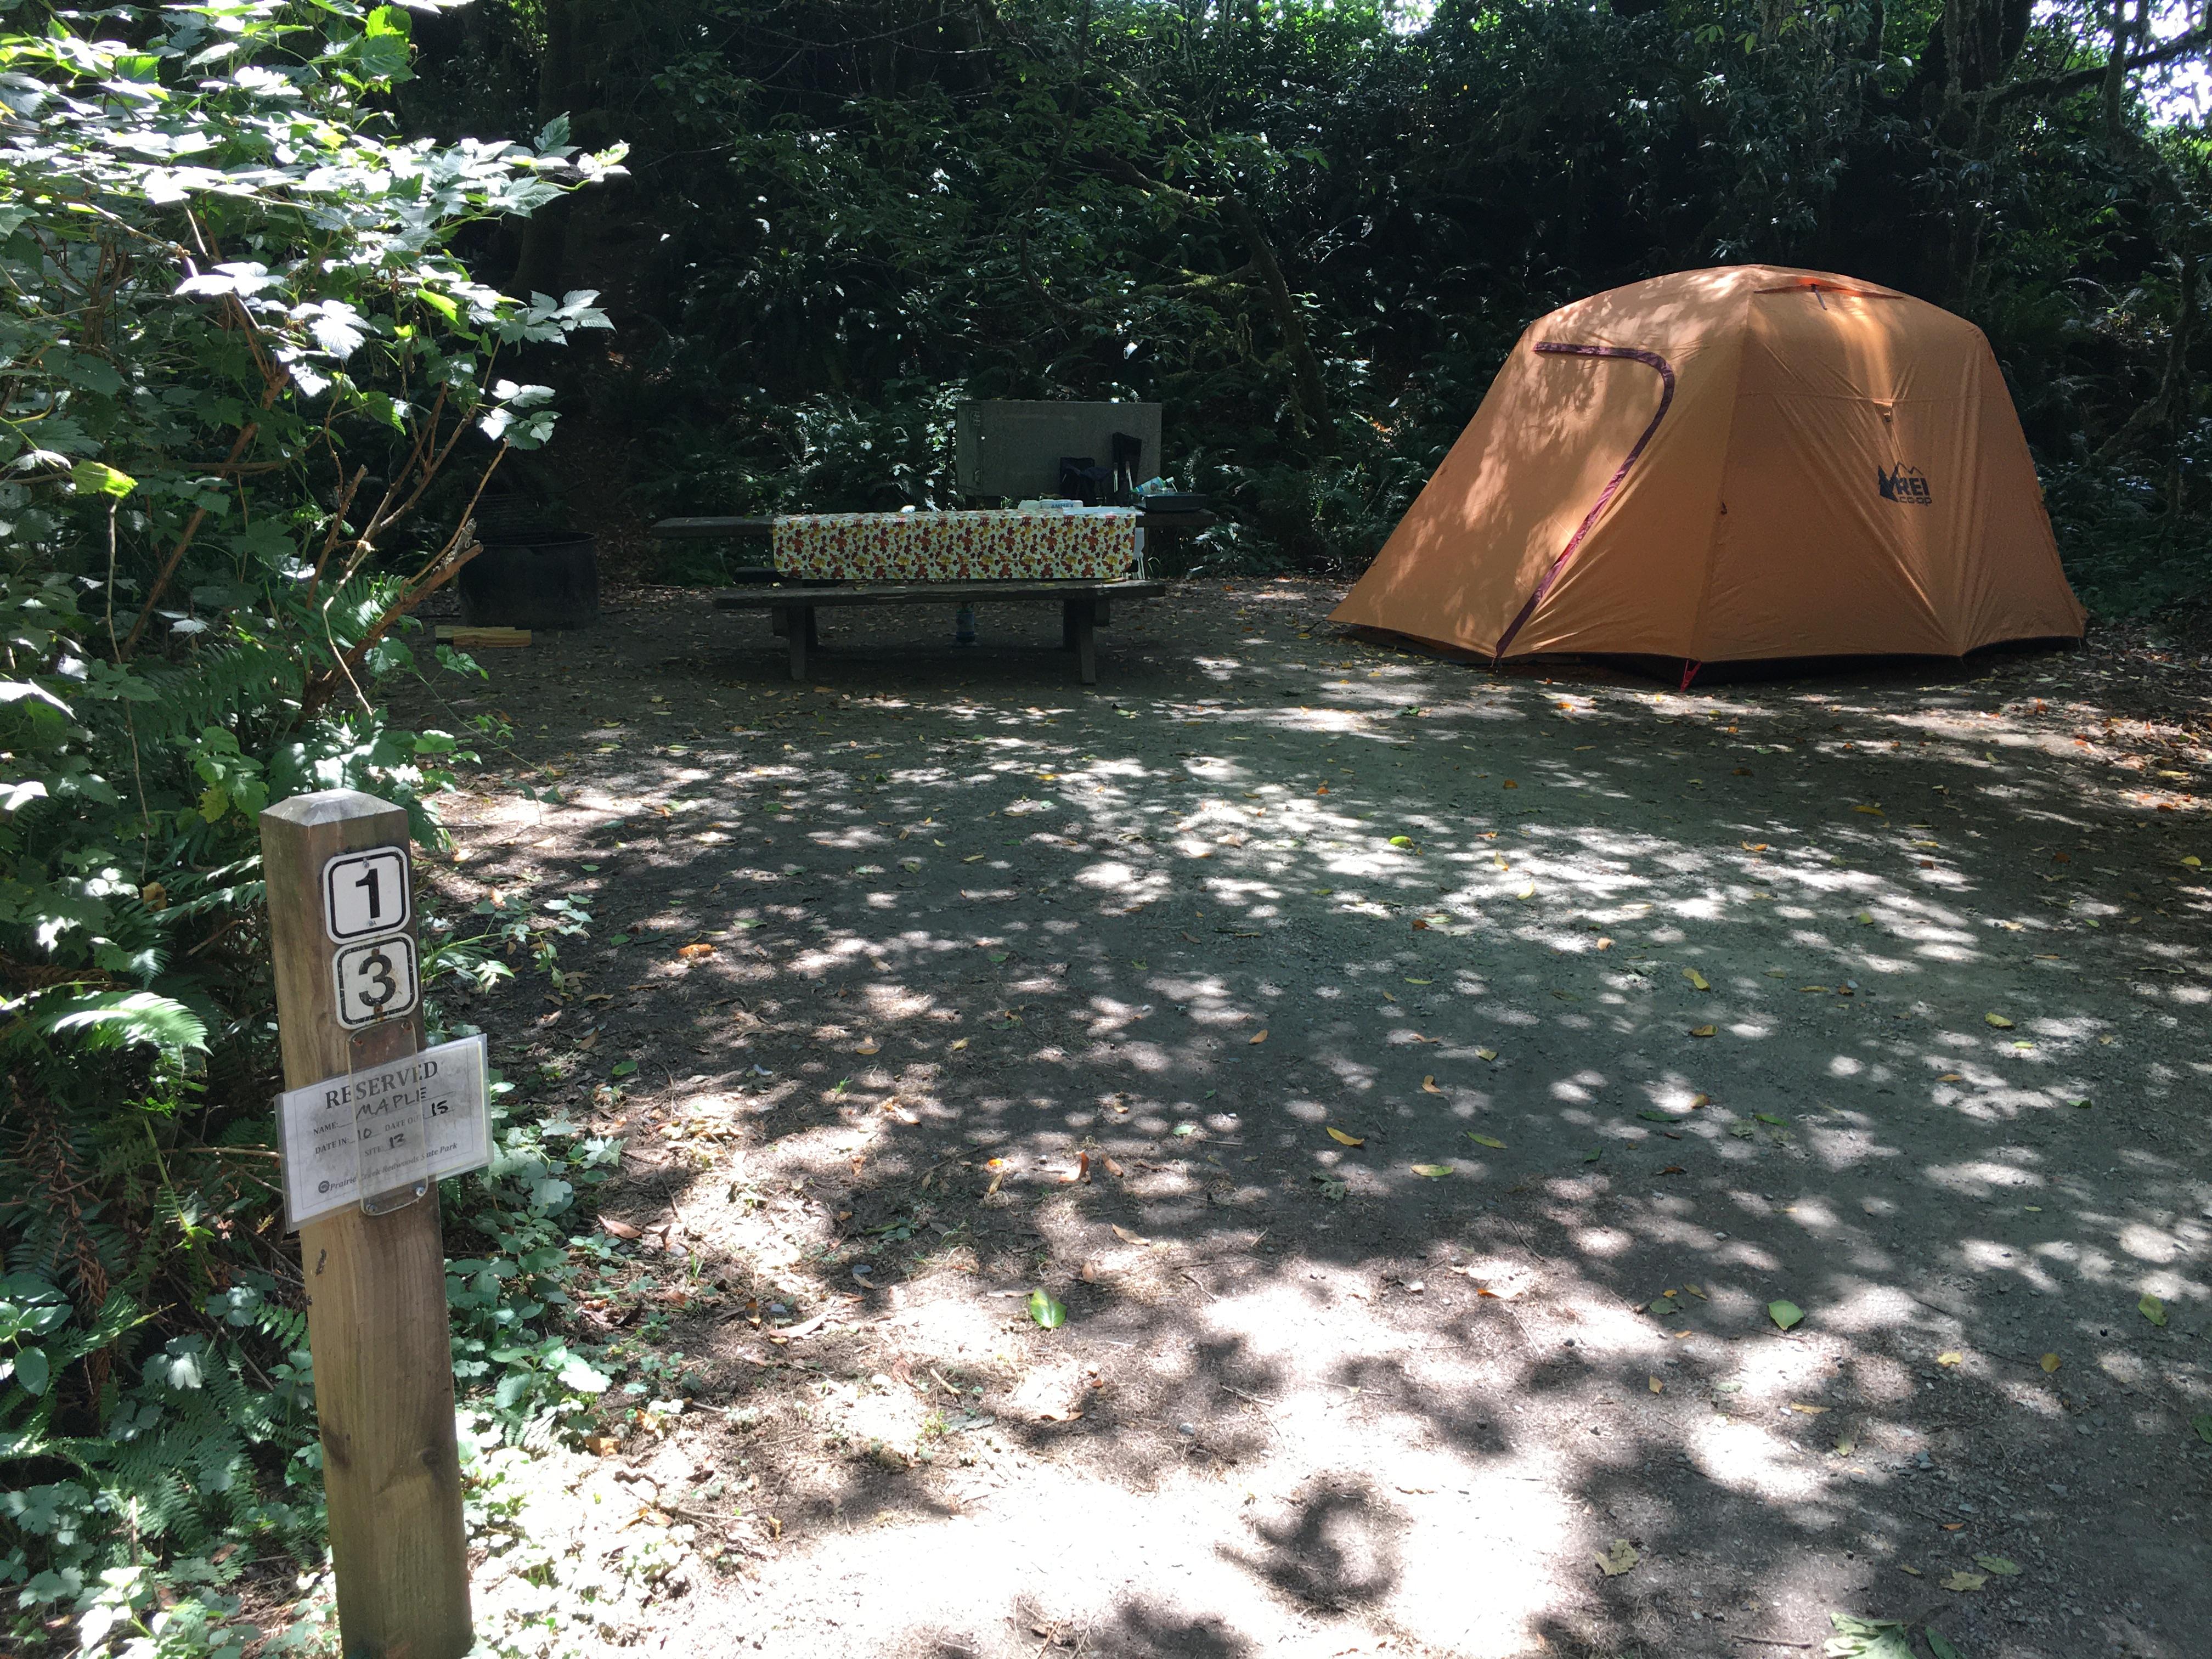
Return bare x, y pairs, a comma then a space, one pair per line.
113, 1019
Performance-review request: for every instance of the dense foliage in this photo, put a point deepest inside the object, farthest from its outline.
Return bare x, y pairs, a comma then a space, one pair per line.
239, 356
1312, 227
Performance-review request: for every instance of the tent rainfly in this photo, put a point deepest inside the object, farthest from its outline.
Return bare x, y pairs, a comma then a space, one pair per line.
1730, 464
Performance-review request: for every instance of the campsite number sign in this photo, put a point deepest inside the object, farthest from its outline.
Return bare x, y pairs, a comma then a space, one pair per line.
367, 893
367, 903
375, 980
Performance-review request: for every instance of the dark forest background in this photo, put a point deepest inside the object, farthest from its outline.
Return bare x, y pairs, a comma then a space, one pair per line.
1313, 230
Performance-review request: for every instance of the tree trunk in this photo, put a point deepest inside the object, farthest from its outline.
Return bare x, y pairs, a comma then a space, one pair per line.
1308, 389
561, 83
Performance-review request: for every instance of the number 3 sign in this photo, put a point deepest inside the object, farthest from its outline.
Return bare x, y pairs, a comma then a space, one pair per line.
375, 980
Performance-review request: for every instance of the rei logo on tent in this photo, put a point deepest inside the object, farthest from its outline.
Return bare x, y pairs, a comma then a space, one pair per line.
1903, 483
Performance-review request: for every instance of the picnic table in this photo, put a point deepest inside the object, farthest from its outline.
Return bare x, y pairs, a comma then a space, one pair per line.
1085, 602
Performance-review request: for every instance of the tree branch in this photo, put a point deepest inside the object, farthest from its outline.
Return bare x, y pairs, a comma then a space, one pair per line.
2073, 81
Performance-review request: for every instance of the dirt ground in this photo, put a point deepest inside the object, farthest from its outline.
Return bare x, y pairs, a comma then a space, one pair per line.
1421, 1086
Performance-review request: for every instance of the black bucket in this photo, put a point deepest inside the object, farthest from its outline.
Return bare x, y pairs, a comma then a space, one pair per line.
533, 579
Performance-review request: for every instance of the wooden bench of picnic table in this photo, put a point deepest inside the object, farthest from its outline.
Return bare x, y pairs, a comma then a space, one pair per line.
1082, 606
792, 601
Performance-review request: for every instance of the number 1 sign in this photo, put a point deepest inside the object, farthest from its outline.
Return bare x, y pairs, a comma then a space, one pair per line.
366, 893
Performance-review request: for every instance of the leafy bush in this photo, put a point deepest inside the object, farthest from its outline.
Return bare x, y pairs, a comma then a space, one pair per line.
249, 394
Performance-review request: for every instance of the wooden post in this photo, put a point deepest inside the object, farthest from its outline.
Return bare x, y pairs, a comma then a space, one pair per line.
375, 1284
798, 624
1086, 638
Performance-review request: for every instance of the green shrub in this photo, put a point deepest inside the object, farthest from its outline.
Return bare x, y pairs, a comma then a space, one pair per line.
249, 393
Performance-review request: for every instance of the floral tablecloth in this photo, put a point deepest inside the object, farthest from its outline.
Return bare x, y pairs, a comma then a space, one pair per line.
983, 546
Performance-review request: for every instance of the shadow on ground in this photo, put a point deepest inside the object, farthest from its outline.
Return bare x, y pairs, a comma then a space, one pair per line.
1423, 1089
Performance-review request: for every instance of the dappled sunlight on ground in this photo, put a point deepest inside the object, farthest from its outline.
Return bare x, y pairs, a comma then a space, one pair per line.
1418, 1085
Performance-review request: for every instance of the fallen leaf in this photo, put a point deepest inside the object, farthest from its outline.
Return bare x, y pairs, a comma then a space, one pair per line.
1871, 812
1695, 1291
619, 1228
1655, 1385
1114, 1170
1126, 1236
1434, 1171
993, 1187
1949, 1359
1999, 1565
2193, 861
1704, 1030
1258, 1037
1401, 841
1696, 979
1809, 1411
1915, 1571
1999, 1021
1485, 1141
2050, 1362
1769, 1117
2202, 1424
1752, 845
1510, 784
1868, 1639
1486, 1054
1619, 1560
870, 1046
1784, 1314
1344, 1139
1966, 1581
1940, 1648
958, 1043
1700, 1100
693, 952
2153, 1310
1428, 1086
1047, 1312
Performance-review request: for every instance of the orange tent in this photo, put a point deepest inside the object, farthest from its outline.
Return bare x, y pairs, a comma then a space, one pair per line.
1725, 464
